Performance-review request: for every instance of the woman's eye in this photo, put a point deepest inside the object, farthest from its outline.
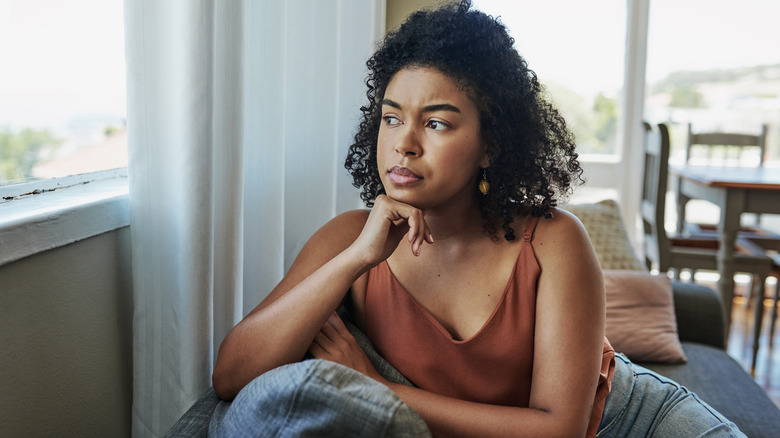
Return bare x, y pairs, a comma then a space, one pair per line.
437, 125
391, 121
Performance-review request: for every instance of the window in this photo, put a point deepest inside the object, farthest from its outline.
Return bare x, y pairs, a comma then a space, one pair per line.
576, 48
714, 64
62, 88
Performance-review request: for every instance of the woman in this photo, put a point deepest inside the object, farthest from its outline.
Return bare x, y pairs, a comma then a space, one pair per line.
463, 274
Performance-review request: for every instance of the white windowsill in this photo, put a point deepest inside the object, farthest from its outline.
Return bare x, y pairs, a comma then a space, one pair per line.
40, 216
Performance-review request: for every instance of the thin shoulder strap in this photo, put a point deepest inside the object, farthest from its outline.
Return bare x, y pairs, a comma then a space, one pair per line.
528, 234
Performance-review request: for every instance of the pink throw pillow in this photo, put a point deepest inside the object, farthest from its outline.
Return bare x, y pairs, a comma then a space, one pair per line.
640, 317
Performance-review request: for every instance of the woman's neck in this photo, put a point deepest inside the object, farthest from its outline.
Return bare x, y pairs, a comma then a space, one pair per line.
456, 221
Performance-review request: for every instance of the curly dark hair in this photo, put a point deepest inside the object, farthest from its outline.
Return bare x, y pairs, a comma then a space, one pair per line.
532, 157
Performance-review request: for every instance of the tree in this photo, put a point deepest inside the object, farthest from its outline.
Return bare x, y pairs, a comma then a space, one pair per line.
686, 96
605, 109
20, 151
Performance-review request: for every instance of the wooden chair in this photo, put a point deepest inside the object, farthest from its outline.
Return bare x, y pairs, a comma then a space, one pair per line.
667, 253
721, 149
730, 146
771, 247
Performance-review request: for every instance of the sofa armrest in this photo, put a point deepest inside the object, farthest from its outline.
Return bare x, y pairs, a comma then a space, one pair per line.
195, 422
699, 314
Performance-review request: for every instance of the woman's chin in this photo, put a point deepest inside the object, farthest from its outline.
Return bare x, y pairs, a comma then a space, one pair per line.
406, 198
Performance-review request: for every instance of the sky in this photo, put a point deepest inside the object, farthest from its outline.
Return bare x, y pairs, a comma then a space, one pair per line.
707, 34
65, 56
581, 42
60, 57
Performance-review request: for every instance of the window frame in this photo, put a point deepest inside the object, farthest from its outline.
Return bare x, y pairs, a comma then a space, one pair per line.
68, 209
41, 215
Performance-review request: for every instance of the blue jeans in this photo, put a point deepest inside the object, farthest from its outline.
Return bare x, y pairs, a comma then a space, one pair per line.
645, 404
321, 399
317, 398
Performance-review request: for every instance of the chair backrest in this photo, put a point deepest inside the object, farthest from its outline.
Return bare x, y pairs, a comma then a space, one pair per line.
653, 203
724, 148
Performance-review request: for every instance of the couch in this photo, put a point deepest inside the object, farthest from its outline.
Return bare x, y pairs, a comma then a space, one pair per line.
709, 371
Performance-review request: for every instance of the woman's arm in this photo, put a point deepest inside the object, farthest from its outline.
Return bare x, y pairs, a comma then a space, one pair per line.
281, 328
445, 416
276, 332
567, 356
570, 321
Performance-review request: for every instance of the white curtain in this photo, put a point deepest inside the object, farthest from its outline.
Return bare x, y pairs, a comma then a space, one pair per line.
239, 116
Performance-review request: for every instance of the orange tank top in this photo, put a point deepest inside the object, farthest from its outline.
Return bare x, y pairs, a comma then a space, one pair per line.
493, 366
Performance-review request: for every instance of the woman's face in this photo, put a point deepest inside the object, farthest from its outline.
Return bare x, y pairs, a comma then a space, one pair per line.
429, 149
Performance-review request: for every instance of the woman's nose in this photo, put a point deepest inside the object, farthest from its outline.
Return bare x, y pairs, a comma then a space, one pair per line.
408, 144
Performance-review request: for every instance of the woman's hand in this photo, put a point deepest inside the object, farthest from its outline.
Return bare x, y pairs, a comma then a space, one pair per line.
335, 343
387, 224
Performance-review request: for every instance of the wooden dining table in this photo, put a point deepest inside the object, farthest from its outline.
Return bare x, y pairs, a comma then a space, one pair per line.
735, 190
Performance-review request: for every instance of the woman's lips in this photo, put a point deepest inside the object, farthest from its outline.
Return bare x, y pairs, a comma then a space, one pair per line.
403, 176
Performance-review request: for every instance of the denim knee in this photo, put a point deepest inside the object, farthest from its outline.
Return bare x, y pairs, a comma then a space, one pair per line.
319, 399
644, 403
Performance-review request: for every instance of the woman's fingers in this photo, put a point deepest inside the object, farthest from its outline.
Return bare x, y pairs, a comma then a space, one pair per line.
332, 329
418, 231
388, 223
335, 343
424, 234
332, 339
335, 322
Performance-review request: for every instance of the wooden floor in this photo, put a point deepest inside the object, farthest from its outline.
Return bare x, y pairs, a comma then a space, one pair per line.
767, 372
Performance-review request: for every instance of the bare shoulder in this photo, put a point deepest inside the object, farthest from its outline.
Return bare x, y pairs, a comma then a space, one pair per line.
561, 239
346, 224
562, 227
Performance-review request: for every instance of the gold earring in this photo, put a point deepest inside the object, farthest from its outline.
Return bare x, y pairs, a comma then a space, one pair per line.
484, 185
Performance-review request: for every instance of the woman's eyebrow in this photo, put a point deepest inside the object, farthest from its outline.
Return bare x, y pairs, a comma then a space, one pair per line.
440, 107
427, 108
389, 102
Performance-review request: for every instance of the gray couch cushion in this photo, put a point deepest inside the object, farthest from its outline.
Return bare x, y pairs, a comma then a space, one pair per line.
699, 314
721, 382
195, 422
